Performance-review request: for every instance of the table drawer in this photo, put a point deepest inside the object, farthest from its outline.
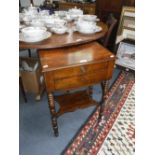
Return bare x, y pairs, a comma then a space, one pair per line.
79, 81
79, 70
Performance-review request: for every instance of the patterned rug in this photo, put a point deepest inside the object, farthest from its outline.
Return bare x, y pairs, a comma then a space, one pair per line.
115, 133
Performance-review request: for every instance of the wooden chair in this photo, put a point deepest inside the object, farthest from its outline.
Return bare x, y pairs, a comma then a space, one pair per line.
111, 22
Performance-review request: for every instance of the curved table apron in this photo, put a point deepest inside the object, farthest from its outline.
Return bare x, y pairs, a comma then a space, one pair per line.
69, 39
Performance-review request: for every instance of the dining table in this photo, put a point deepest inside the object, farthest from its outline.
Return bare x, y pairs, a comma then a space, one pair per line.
67, 39
73, 60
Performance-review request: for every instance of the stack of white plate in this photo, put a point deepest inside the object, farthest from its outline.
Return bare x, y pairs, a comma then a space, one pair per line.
34, 34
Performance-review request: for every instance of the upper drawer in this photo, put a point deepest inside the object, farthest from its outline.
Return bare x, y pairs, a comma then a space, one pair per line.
80, 81
79, 70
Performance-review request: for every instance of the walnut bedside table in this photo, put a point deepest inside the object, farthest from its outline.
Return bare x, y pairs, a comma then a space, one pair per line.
71, 68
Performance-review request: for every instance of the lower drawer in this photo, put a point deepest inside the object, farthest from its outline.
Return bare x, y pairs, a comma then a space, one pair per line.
80, 81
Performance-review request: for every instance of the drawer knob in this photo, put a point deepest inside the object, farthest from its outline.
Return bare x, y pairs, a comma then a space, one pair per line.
83, 79
83, 69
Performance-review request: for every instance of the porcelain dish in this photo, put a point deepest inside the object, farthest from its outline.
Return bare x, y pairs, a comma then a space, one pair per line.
44, 13
88, 17
59, 30
75, 11
55, 22
37, 23
74, 14
33, 40
33, 32
85, 25
90, 31
60, 13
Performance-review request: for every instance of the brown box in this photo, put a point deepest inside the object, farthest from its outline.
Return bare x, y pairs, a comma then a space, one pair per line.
31, 77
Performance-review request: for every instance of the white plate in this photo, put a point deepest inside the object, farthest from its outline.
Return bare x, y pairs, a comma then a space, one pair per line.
33, 40
98, 29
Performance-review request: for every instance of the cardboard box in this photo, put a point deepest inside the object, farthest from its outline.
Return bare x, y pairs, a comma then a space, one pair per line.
31, 76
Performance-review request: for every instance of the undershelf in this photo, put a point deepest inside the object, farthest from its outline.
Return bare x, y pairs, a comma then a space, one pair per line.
74, 101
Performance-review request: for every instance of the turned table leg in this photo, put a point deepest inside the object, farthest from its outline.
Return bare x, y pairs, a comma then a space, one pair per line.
104, 86
90, 91
53, 113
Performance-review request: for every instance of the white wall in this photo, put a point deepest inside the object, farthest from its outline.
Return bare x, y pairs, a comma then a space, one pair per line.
26, 3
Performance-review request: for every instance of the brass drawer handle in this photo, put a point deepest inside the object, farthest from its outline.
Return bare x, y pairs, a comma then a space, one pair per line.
82, 69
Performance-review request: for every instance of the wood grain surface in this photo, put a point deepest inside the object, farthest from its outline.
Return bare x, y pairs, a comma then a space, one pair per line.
68, 39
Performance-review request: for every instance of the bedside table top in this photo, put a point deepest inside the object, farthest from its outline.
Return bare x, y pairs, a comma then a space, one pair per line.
73, 56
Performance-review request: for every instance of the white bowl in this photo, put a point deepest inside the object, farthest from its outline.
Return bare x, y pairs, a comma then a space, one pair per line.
33, 32
89, 17
56, 22
44, 12
30, 12
37, 23
86, 25
60, 30
60, 13
75, 11
34, 39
